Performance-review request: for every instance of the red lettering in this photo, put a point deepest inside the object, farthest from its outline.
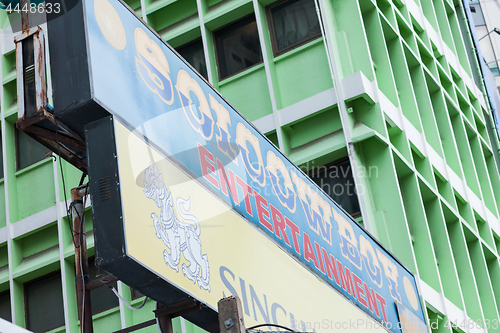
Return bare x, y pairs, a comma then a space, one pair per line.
345, 278
207, 163
295, 232
330, 266
359, 289
261, 204
227, 183
247, 190
372, 301
308, 251
382, 305
318, 251
279, 224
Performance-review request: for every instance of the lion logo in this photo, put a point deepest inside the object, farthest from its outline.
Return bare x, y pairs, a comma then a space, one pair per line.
177, 235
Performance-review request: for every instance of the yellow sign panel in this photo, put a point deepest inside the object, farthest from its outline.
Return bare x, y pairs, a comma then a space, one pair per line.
181, 231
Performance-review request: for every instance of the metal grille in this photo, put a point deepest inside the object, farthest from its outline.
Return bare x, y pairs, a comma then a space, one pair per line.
105, 188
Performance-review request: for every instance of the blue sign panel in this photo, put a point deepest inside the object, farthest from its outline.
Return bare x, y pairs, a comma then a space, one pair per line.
140, 80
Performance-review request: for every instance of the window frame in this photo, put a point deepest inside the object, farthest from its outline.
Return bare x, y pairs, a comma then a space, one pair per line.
338, 162
214, 32
274, 42
134, 297
91, 264
191, 42
26, 302
17, 151
7, 292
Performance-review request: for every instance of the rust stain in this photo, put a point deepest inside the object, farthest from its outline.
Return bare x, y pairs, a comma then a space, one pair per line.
25, 18
66, 142
40, 82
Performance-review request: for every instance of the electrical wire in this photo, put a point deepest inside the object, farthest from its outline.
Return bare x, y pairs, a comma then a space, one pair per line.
81, 234
271, 325
82, 320
60, 162
83, 238
125, 302
68, 212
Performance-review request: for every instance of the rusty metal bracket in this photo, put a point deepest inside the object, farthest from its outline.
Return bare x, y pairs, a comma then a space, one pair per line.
70, 148
25, 17
178, 309
26, 33
166, 314
100, 283
50, 135
81, 261
137, 327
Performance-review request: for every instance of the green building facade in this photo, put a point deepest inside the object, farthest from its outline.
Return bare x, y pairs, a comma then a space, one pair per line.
378, 95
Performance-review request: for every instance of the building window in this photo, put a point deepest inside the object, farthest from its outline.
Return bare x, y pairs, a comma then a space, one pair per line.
292, 23
5, 306
336, 180
44, 303
193, 53
135, 294
237, 46
101, 298
28, 150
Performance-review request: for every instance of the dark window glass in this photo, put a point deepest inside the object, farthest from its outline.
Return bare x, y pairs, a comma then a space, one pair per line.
238, 47
293, 23
336, 180
29, 75
101, 298
135, 293
44, 303
28, 151
5, 306
1, 157
193, 53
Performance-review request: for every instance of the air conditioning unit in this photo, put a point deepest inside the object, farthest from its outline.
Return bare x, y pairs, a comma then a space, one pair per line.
59, 127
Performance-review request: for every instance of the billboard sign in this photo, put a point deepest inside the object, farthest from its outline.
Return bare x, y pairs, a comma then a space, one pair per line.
182, 121
174, 228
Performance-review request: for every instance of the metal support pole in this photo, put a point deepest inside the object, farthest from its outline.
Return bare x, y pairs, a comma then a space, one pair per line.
81, 260
25, 15
231, 315
165, 324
